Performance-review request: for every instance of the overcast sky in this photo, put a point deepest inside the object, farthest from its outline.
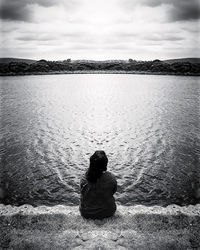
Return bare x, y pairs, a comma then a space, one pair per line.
99, 29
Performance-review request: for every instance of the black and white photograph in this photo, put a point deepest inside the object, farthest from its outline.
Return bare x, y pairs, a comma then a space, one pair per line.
100, 124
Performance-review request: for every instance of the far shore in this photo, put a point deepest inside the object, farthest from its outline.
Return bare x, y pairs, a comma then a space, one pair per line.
132, 227
100, 72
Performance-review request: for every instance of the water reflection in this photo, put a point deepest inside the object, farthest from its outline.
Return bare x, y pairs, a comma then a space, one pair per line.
147, 125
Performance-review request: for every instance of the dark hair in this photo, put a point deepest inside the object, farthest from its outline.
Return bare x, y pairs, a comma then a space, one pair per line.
98, 164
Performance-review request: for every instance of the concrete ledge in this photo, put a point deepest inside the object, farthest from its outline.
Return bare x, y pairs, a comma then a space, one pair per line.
133, 227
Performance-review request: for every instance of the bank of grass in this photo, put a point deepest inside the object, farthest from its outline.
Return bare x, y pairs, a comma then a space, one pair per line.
64, 72
133, 227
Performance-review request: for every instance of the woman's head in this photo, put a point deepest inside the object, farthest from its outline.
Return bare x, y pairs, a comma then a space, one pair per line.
98, 164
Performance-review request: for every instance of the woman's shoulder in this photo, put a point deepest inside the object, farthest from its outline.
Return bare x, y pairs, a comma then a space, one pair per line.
109, 175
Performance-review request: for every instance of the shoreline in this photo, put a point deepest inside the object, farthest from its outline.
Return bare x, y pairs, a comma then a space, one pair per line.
132, 227
99, 72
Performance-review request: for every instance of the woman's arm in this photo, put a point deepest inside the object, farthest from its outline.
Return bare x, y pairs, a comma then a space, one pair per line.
83, 182
115, 186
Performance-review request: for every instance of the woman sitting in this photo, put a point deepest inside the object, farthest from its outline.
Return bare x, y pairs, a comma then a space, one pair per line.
97, 189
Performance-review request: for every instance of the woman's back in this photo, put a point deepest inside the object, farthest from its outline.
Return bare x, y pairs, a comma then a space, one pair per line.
97, 199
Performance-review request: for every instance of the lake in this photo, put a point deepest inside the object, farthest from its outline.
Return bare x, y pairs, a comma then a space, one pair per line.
147, 124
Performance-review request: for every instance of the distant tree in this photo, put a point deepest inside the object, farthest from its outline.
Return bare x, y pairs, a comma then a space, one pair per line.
42, 61
156, 61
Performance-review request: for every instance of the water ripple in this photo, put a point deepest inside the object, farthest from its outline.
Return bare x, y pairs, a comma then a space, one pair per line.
148, 126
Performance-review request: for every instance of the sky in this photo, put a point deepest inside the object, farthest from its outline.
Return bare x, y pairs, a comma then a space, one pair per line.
99, 29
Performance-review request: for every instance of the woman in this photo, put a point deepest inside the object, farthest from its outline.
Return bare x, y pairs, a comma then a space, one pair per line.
97, 189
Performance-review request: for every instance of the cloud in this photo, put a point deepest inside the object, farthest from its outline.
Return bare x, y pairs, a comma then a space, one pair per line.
151, 36
101, 29
42, 37
162, 37
22, 10
185, 10
14, 10
49, 36
180, 10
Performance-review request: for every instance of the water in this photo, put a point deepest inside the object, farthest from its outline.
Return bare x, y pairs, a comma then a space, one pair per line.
147, 125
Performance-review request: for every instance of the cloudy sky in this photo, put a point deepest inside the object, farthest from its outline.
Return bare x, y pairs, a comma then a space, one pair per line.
99, 29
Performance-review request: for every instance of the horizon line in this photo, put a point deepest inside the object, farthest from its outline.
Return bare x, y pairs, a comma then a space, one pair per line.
98, 60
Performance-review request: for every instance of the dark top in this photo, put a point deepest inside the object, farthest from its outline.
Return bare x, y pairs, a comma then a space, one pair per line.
97, 201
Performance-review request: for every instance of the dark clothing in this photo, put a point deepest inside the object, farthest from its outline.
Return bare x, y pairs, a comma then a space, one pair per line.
97, 201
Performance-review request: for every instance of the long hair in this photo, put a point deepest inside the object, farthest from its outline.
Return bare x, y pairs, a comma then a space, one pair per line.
98, 164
